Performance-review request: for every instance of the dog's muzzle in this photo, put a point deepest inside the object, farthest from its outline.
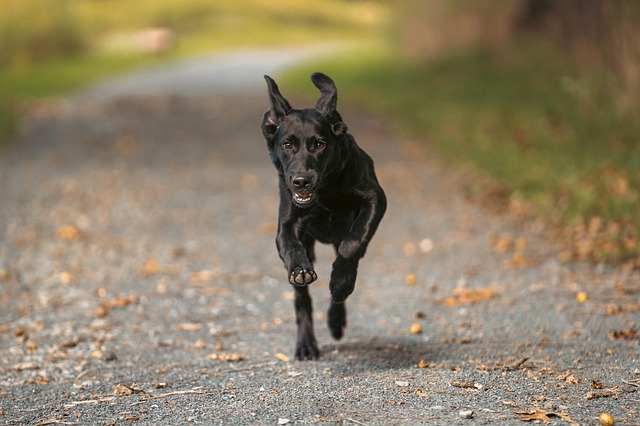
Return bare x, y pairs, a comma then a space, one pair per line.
302, 189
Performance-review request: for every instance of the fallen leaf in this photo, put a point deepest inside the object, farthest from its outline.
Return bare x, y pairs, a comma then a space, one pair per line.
65, 278
467, 385
502, 244
121, 389
188, 326
150, 268
120, 302
422, 364
282, 357
410, 279
415, 328
467, 296
203, 277
606, 393
544, 416
581, 297
626, 334
230, 357
68, 233
568, 377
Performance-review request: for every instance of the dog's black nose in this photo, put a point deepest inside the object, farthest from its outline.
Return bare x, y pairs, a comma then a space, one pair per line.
301, 181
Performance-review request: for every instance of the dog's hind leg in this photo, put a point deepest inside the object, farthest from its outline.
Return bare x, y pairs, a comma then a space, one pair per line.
337, 319
306, 345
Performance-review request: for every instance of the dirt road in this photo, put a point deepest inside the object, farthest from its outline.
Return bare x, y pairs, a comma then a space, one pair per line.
140, 281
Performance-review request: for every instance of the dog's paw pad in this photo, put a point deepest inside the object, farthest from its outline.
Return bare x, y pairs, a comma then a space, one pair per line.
302, 277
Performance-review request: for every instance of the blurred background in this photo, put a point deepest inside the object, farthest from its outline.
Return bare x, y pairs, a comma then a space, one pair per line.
537, 98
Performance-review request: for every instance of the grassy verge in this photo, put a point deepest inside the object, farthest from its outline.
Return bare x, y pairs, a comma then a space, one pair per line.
551, 141
48, 49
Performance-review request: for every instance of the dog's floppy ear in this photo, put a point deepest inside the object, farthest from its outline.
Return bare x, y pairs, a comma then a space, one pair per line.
279, 108
328, 101
328, 93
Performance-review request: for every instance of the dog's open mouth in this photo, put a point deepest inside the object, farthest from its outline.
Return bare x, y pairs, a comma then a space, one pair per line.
303, 198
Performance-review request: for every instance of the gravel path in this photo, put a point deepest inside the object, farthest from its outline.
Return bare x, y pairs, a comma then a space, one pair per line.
140, 281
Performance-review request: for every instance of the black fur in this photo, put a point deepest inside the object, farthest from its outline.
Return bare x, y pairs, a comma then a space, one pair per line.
328, 193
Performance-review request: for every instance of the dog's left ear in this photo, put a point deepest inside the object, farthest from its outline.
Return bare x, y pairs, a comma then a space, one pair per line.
328, 101
279, 108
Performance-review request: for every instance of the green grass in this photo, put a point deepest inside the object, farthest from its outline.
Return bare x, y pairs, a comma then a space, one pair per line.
50, 48
544, 134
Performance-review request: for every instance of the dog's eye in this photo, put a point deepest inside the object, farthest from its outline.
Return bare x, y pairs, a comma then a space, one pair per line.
320, 145
287, 145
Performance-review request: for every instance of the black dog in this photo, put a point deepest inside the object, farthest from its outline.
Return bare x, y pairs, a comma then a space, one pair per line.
328, 193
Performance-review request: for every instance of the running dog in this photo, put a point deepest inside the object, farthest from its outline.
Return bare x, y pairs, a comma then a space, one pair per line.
328, 193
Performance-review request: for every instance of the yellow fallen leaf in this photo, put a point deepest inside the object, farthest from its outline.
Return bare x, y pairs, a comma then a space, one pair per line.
422, 364
410, 279
68, 232
282, 357
581, 297
65, 278
415, 328
150, 267
230, 357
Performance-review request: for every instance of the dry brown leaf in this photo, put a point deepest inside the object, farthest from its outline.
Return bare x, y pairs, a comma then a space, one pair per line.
568, 377
119, 302
544, 416
626, 334
68, 233
606, 393
230, 357
467, 296
502, 244
121, 389
150, 268
467, 385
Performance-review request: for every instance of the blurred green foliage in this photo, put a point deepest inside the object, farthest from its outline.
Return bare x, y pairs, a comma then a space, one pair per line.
50, 47
548, 139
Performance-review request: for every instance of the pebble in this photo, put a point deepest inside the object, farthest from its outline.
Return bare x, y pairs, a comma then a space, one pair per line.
466, 414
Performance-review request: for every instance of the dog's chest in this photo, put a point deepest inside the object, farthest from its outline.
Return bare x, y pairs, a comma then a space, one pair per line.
330, 225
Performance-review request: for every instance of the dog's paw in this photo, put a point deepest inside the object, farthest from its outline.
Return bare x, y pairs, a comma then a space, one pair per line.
337, 319
301, 277
307, 348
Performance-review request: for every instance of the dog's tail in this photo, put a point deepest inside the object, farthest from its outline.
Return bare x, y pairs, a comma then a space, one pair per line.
328, 93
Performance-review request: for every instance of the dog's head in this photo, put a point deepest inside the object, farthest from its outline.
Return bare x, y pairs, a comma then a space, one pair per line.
307, 146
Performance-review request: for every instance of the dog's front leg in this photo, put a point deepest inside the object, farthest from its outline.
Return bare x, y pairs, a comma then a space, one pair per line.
306, 346
352, 248
293, 254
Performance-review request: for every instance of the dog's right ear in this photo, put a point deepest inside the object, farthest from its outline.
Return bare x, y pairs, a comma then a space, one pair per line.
279, 108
